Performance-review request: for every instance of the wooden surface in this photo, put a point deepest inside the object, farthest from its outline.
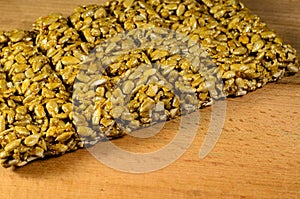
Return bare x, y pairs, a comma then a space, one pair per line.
257, 155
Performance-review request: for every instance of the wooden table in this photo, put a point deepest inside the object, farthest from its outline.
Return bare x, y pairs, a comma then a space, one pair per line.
257, 155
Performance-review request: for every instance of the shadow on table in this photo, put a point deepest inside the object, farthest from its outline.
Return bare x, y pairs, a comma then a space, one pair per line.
54, 166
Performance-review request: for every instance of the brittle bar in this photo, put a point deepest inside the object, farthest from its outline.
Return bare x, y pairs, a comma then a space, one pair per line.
119, 89
107, 70
247, 54
35, 105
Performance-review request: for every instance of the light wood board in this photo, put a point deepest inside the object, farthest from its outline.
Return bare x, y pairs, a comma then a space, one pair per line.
257, 155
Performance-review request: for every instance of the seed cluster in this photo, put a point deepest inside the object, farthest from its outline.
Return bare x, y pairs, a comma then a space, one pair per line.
132, 89
109, 69
35, 104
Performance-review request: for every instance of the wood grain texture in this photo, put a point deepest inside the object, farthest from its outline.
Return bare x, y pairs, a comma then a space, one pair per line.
257, 155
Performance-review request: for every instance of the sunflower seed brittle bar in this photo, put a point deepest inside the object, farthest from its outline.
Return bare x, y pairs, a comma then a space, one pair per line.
70, 81
35, 106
